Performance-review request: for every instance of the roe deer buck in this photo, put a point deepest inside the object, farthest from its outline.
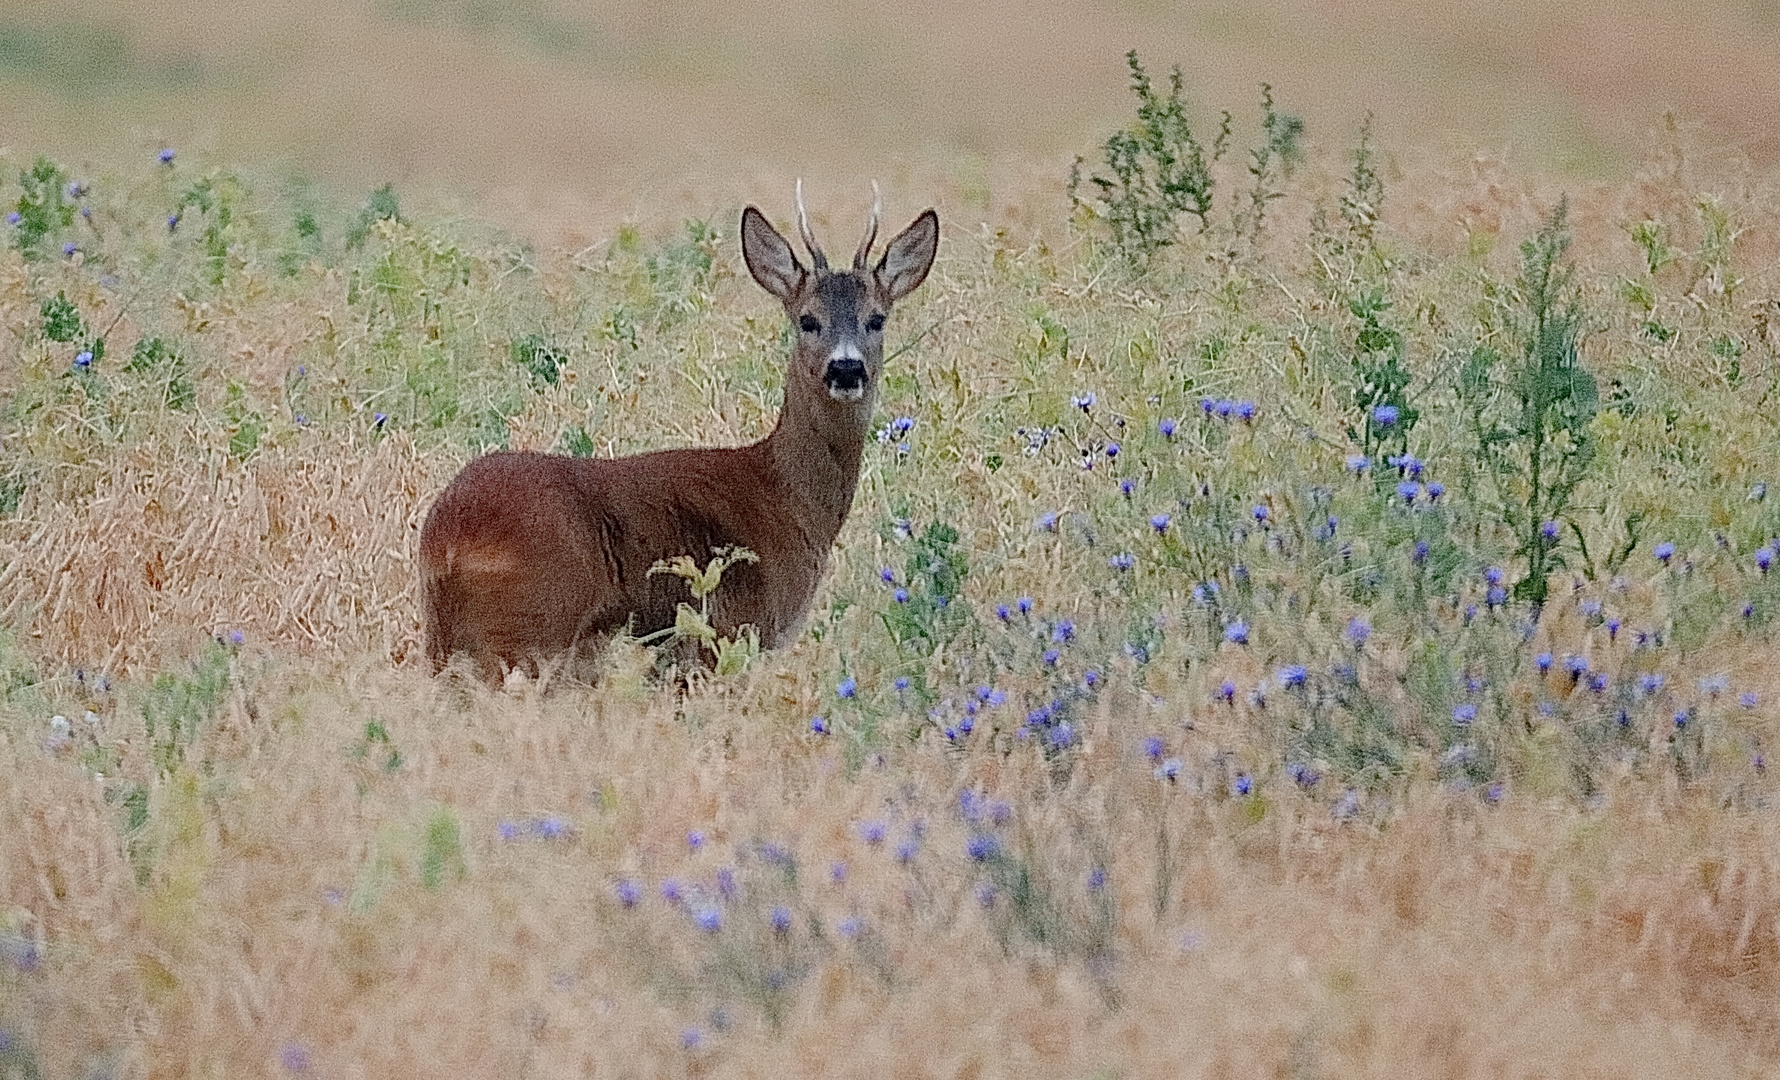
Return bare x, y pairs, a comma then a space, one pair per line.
527, 555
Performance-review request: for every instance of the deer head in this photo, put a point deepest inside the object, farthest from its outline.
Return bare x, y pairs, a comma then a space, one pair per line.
838, 315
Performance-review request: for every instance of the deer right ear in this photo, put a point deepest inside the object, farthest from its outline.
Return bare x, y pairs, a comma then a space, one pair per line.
908, 257
769, 258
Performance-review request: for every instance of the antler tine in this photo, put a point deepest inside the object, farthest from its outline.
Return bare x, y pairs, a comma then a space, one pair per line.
871, 229
803, 228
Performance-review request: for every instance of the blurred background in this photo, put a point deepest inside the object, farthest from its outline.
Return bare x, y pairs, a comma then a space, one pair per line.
561, 118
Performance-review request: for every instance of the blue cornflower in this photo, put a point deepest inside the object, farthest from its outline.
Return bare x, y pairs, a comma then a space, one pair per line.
551, 828
1681, 718
1749, 699
1112, 450
1598, 682
709, 918
1420, 554
1464, 714
1261, 513
1124, 560
1435, 490
1650, 683
1063, 632
1495, 596
1358, 630
509, 831
76, 188
1084, 401
1160, 523
1303, 775
1543, 662
695, 839
850, 927
1292, 675
1384, 415
1493, 575
818, 725
1358, 463
70, 248
1063, 734
849, 687
1664, 551
1003, 612
837, 872
1764, 558
84, 360
985, 894
1127, 486
1227, 691
1243, 785
726, 886
1096, 879
1236, 633
982, 847
1046, 522
379, 419
908, 848
1613, 626
1224, 408
779, 918
1167, 427
165, 157
293, 1057
1245, 410
1152, 748
1549, 530
872, 832
1207, 405
901, 595
901, 424
13, 217
1024, 603
691, 1039
1407, 490
1051, 656
1169, 769
901, 683
887, 576
670, 891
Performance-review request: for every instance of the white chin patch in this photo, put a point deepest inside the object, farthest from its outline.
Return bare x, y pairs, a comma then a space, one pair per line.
847, 393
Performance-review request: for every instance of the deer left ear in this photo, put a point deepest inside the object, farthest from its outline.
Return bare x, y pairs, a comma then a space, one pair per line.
769, 257
908, 257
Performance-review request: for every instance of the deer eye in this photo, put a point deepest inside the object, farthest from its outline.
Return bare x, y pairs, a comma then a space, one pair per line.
809, 324
875, 323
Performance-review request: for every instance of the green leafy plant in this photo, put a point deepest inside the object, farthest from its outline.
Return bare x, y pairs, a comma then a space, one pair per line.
44, 209
1156, 170
1540, 447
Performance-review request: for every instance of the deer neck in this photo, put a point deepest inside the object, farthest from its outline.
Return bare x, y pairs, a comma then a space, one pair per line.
816, 451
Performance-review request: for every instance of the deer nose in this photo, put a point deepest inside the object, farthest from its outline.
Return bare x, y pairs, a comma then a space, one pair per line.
845, 374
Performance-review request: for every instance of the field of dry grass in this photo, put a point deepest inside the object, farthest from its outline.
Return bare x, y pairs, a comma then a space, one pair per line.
243, 833
560, 120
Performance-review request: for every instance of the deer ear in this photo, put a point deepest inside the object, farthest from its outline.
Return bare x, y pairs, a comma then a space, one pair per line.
769, 258
908, 257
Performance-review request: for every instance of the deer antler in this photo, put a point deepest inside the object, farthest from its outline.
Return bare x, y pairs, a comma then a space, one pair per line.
871, 229
803, 228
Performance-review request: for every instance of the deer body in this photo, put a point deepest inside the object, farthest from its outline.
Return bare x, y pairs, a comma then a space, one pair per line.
525, 556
